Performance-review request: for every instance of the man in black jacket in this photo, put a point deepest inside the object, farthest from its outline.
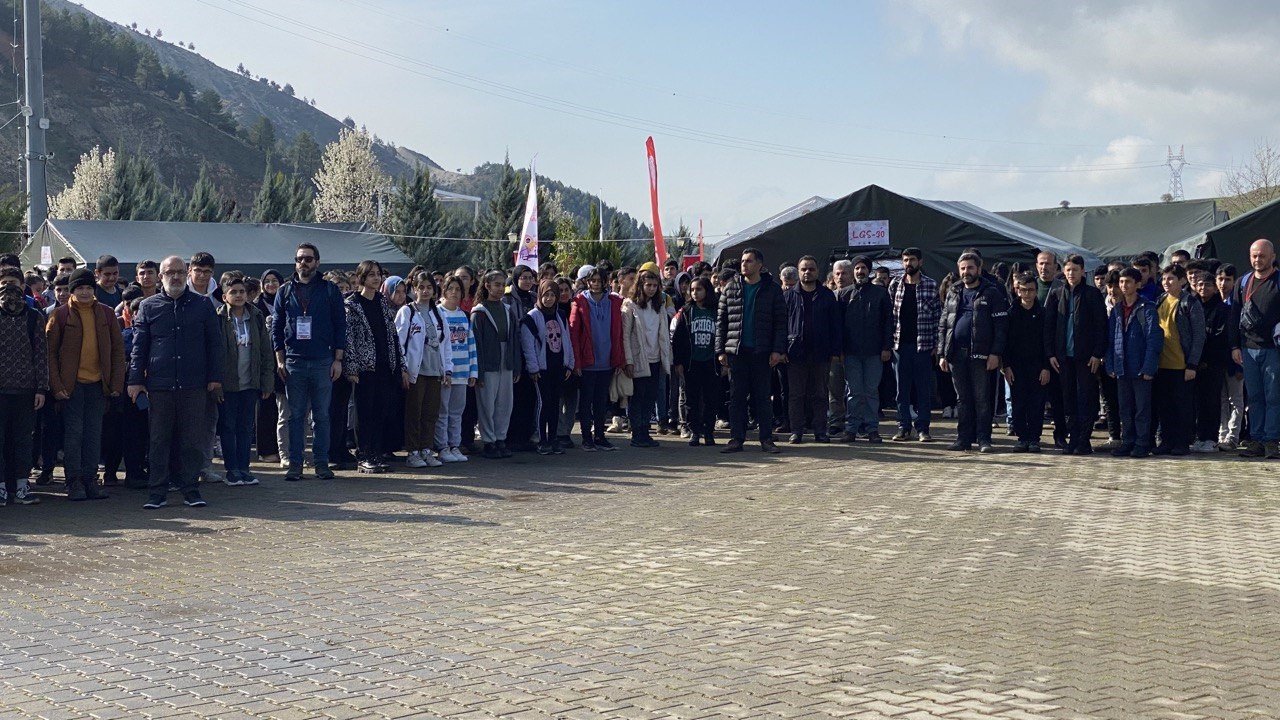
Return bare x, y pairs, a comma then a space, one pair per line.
867, 335
1076, 341
813, 341
971, 339
751, 338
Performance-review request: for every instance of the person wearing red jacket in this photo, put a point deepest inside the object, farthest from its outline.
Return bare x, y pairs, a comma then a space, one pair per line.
595, 329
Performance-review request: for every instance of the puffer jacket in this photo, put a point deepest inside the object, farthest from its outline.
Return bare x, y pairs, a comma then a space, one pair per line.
177, 343
1190, 322
866, 318
262, 362
990, 327
770, 317
1089, 318
361, 355
1134, 350
825, 333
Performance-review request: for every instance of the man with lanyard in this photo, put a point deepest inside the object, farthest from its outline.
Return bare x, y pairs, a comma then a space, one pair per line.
1256, 306
309, 332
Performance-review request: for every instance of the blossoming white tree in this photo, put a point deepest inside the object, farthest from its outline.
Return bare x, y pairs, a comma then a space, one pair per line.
349, 180
93, 176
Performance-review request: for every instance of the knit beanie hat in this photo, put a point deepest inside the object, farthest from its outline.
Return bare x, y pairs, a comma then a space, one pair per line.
81, 277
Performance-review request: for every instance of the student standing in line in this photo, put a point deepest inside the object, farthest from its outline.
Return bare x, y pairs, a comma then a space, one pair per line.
424, 337
374, 366
495, 325
248, 376
462, 351
595, 326
693, 350
647, 348
548, 360
1133, 355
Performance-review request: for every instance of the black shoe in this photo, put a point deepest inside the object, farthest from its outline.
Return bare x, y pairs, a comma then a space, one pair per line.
874, 438
490, 452
1122, 451
294, 473
155, 502
557, 448
323, 472
193, 499
45, 477
821, 439
588, 445
1140, 452
566, 442
770, 447
545, 449
848, 437
901, 436
734, 446
709, 440
503, 449
958, 446
986, 448
1162, 450
1084, 449
1179, 451
1068, 450
694, 441
110, 479
796, 439
604, 444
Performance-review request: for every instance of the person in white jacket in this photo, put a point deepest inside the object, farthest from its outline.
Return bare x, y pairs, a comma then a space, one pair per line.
548, 361
428, 359
647, 345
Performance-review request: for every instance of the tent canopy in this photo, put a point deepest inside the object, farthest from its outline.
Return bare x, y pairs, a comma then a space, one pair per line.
941, 229
249, 247
1230, 241
799, 209
1121, 232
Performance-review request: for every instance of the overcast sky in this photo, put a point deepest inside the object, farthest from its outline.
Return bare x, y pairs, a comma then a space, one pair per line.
755, 106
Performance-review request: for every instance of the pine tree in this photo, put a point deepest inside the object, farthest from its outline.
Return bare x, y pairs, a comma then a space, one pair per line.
415, 211
271, 204
501, 218
136, 192
262, 135
207, 203
304, 155
301, 205
91, 178
349, 180
13, 217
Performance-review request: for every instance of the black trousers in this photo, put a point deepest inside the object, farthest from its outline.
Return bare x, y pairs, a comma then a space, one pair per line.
1208, 401
807, 398
549, 384
339, 402
1171, 400
524, 411
593, 402
1028, 402
1057, 408
703, 390
470, 416
376, 413
974, 408
17, 428
268, 418
177, 443
113, 436
750, 377
1079, 400
780, 392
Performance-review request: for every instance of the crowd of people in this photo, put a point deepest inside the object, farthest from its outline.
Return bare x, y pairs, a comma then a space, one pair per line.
162, 377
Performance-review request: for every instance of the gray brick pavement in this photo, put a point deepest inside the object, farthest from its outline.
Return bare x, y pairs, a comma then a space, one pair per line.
896, 581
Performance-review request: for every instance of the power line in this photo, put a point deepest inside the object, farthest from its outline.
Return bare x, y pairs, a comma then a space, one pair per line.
546, 102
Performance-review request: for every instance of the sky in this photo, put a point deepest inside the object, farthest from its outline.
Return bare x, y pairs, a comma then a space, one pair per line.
756, 106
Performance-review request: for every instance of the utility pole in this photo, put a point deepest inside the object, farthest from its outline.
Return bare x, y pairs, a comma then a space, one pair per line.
1175, 163
36, 155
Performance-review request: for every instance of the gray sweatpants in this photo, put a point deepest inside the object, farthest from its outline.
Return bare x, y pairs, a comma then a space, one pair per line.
493, 405
453, 401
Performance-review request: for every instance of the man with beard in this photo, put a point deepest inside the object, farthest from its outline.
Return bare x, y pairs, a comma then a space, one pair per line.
971, 339
176, 371
867, 339
751, 339
837, 394
813, 337
916, 309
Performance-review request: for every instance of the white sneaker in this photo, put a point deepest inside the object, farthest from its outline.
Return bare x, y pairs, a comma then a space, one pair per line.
415, 460
429, 459
458, 456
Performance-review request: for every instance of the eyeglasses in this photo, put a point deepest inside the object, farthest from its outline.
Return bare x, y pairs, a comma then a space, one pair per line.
304, 259
1026, 289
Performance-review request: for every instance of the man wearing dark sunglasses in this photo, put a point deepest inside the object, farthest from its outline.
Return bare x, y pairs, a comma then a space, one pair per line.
309, 331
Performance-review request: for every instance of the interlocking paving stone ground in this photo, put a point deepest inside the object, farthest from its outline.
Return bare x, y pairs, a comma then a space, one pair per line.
898, 581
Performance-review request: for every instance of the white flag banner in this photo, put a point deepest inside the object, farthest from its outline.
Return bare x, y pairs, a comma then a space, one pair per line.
527, 255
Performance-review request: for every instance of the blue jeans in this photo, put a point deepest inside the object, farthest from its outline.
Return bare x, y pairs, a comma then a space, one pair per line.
308, 387
915, 382
235, 428
1262, 392
862, 376
82, 431
1134, 395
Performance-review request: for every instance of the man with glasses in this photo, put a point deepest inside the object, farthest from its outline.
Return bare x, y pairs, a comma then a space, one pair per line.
309, 331
177, 367
200, 278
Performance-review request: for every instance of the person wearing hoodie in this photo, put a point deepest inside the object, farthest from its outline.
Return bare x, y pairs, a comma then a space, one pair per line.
814, 330
1133, 355
548, 361
428, 358
524, 394
86, 370
693, 350
595, 328
646, 340
273, 411
248, 373
972, 332
24, 383
496, 327
751, 339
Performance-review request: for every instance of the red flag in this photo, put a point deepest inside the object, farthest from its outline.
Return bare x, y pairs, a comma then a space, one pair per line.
659, 245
